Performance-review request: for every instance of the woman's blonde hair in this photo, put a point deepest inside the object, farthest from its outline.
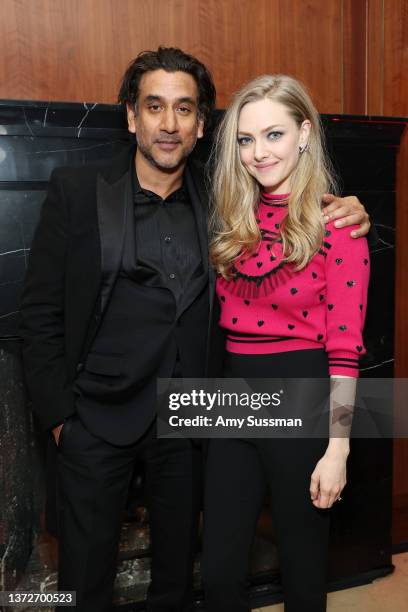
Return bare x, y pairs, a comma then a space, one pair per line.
235, 193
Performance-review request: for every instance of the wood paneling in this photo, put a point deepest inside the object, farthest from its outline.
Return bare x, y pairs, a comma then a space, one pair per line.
350, 53
241, 40
396, 57
375, 57
78, 49
354, 33
387, 57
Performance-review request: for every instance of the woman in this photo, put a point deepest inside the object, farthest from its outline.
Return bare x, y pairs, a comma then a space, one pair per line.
293, 298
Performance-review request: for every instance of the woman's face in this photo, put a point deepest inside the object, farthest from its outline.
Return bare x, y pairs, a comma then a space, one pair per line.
269, 141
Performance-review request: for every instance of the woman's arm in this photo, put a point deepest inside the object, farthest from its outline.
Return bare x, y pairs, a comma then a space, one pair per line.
347, 275
329, 476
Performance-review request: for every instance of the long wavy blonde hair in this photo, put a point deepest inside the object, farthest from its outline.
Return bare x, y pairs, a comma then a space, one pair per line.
235, 193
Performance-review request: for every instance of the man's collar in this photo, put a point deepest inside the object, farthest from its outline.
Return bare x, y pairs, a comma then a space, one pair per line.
140, 194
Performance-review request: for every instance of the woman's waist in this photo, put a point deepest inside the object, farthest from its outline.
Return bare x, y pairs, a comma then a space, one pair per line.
256, 344
296, 363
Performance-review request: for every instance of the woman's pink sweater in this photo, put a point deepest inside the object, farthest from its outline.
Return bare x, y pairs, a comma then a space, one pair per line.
268, 307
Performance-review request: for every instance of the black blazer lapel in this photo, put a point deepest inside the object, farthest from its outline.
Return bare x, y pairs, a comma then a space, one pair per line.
197, 189
194, 179
113, 202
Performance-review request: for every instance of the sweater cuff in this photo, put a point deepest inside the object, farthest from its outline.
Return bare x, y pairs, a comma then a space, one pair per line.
343, 363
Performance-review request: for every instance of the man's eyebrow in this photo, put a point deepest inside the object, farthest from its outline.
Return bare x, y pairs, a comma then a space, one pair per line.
267, 129
187, 100
152, 98
183, 100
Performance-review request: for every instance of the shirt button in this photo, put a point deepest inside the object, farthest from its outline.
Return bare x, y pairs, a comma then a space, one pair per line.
172, 276
167, 239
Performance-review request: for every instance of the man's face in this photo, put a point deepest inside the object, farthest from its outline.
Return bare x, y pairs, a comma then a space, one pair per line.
166, 121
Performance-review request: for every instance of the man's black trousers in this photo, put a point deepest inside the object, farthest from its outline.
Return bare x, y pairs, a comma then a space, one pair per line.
93, 483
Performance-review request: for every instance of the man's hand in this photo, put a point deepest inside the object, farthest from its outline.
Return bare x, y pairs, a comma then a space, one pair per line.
57, 432
348, 211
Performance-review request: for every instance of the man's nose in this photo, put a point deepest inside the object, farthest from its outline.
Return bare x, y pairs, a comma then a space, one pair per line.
169, 121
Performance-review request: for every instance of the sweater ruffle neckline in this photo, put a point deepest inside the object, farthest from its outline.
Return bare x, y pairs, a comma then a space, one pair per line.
275, 199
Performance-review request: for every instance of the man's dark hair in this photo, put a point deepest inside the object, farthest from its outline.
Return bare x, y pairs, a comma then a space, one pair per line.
169, 59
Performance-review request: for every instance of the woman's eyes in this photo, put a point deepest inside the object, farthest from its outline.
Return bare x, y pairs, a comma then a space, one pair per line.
246, 140
274, 135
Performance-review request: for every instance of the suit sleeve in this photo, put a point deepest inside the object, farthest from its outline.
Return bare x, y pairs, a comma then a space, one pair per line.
42, 312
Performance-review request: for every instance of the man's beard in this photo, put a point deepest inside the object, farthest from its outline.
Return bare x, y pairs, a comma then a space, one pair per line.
171, 165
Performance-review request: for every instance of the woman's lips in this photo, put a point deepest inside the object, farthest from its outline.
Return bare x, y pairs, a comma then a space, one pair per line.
265, 167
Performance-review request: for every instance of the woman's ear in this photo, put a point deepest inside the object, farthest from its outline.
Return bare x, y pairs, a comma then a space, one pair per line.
304, 133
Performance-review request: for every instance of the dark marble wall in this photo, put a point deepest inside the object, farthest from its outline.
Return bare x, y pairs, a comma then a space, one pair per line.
21, 470
34, 138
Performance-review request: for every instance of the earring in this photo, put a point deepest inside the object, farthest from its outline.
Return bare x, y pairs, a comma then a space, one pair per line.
302, 149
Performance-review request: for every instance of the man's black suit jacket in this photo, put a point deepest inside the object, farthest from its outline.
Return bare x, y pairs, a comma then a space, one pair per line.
75, 259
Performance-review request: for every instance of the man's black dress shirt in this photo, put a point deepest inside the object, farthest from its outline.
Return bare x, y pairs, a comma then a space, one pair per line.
166, 250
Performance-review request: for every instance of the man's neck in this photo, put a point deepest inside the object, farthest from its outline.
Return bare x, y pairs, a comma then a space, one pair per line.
160, 182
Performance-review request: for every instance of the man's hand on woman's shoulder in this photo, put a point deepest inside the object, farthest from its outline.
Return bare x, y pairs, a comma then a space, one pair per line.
346, 211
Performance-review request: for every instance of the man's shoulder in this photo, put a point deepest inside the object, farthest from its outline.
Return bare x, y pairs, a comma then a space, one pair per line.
197, 167
198, 172
86, 174
76, 173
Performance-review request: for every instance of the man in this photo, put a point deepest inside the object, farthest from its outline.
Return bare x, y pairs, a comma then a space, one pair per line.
117, 294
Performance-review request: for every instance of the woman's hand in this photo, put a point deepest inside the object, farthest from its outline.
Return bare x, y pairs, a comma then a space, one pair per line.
329, 478
347, 211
